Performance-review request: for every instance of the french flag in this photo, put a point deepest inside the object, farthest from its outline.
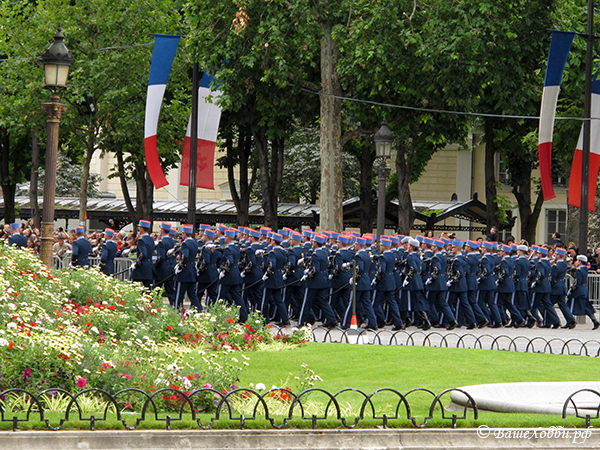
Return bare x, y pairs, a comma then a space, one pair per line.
209, 116
594, 163
165, 46
557, 59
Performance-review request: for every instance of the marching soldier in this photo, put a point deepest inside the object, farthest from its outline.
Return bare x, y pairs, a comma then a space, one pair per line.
458, 298
142, 269
229, 275
81, 249
579, 295
185, 271
108, 253
165, 263
559, 287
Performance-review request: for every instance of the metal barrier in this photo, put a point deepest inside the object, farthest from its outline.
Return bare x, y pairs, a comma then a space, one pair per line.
419, 338
594, 289
121, 265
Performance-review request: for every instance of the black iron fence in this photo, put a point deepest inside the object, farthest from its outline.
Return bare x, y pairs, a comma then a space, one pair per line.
278, 407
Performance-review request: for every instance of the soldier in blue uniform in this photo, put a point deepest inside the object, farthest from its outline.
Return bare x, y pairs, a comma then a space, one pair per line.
109, 251
341, 274
16, 238
579, 295
229, 275
386, 287
209, 259
315, 275
413, 298
487, 285
542, 289
252, 272
143, 269
473, 259
294, 292
559, 287
81, 249
457, 287
436, 284
165, 263
275, 261
185, 270
506, 288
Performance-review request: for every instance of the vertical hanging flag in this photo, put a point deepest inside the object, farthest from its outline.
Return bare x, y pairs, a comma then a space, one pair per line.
162, 58
209, 116
559, 51
575, 180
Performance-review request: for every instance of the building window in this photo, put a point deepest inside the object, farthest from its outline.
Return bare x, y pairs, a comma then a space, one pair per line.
556, 221
502, 173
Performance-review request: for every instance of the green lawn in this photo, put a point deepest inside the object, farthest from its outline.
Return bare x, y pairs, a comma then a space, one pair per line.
370, 367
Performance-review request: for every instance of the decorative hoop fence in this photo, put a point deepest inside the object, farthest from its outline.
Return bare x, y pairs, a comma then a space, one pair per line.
277, 407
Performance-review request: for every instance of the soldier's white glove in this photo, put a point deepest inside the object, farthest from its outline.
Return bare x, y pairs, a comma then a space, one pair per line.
265, 276
429, 281
330, 277
351, 281
95, 249
303, 278
132, 267
170, 251
221, 274
406, 283
374, 281
243, 274
259, 252
284, 276
126, 252
346, 265
300, 261
305, 271
533, 284
178, 269
569, 292
449, 283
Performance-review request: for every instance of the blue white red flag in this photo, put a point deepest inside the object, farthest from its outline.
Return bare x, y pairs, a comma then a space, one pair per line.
557, 59
594, 166
209, 116
163, 54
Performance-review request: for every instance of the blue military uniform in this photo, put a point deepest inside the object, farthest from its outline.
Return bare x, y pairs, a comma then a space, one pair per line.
81, 252
165, 266
185, 273
231, 281
144, 268
107, 257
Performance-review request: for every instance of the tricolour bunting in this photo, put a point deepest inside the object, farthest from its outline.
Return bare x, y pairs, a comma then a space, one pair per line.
163, 54
594, 163
209, 116
559, 51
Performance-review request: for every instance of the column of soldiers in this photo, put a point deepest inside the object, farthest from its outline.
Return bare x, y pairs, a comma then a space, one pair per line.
337, 278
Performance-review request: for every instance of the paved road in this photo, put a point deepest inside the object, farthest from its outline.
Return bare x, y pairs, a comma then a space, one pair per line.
580, 340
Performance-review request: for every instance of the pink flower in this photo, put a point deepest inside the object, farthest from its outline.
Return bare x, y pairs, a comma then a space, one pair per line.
81, 383
207, 386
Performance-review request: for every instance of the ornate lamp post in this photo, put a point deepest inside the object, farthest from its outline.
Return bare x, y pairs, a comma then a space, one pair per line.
56, 59
383, 150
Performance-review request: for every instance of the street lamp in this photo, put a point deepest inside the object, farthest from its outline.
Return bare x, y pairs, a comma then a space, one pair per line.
383, 150
56, 59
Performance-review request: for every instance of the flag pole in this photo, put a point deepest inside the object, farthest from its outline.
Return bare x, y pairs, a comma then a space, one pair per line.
587, 126
191, 217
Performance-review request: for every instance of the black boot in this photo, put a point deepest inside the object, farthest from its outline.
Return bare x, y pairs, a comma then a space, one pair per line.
426, 323
595, 322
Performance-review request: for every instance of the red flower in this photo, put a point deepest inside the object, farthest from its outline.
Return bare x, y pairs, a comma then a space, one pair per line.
89, 324
230, 320
111, 307
11, 345
169, 327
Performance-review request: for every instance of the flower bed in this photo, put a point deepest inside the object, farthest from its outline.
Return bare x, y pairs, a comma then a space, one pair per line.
80, 329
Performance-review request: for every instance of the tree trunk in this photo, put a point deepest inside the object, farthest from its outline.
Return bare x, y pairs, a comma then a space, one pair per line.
331, 130
404, 163
271, 172
529, 218
124, 187
367, 211
241, 199
33, 183
145, 194
9, 188
490, 176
